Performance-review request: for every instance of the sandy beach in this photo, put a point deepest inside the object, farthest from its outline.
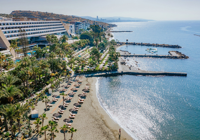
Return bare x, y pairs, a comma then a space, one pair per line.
91, 121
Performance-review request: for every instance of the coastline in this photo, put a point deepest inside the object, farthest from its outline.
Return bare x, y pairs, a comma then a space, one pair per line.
93, 122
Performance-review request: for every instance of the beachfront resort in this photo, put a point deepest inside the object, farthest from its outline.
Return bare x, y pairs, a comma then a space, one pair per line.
42, 95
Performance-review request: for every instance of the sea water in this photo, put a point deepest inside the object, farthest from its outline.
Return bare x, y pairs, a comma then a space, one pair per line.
157, 107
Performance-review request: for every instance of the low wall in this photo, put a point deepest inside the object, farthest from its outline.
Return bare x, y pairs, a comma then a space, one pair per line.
149, 44
139, 73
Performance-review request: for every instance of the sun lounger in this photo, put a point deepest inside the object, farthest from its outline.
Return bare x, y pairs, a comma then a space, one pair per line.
71, 117
54, 120
49, 105
80, 101
66, 104
61, 111
68, 124
71, 114
54, 99
76, 107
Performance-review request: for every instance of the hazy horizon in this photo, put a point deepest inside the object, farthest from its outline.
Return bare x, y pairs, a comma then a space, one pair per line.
144, 9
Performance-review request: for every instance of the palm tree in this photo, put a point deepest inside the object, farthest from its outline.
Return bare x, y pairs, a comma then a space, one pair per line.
64, 130
37, 123
13, 130
43, 116
44, 128
8, 111
63, 38
48, 37
72, 130
9, 92
97, 40
20, 109
13, 45
2, 59
9, 79
45, 100
25, 63
53, 128
63, 94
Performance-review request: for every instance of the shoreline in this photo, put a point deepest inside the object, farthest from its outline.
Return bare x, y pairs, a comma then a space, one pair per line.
93, 122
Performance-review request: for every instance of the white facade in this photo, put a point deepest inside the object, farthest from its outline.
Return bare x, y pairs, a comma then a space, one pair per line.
33, 28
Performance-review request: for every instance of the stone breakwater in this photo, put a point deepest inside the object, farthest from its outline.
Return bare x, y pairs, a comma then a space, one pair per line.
172, 55
149, 44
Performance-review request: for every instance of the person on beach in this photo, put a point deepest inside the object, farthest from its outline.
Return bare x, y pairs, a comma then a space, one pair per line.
119, 133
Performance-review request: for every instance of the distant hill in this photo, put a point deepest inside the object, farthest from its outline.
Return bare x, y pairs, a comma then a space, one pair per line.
116, 19
46, 15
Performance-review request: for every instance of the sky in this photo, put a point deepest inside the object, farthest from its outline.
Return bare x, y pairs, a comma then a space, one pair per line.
145, 9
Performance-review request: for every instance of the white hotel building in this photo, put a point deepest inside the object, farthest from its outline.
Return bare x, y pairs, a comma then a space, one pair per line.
35, 30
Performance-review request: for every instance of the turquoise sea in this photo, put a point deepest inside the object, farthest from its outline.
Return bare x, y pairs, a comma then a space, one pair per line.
157, 107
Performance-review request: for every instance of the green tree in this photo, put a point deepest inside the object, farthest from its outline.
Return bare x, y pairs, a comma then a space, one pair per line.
13, 45
64, 130
43, 117
9, 92
53, 129
13, 130
45, 100
72, 130
94, 52
44, 128
23, 41
87, 35
37, 123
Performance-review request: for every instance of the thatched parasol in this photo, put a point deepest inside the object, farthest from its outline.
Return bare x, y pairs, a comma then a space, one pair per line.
61, 106
72, 110
56, 115
74, 89
68, 120
77, 104
67, 100
63, 90
67, 86
54, 95
82, 95
71, 94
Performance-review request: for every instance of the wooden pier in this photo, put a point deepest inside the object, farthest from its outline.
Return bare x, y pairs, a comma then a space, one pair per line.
120, 31
137, 73
172, 55
149, 44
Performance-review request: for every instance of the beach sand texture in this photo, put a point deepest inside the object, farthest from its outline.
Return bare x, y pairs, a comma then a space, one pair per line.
91, 121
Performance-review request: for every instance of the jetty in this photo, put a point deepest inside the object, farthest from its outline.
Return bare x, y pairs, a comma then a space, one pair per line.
171, 55
120, 31
149, 44
136, 73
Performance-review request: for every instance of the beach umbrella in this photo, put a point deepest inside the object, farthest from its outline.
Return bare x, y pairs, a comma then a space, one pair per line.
61, 106
56, 115
77, 105
67, 100
74, 89
50, 102
54, 95
82, 95
62, 85
67, 86
68, 120
63, 90
72, 110
71, 94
